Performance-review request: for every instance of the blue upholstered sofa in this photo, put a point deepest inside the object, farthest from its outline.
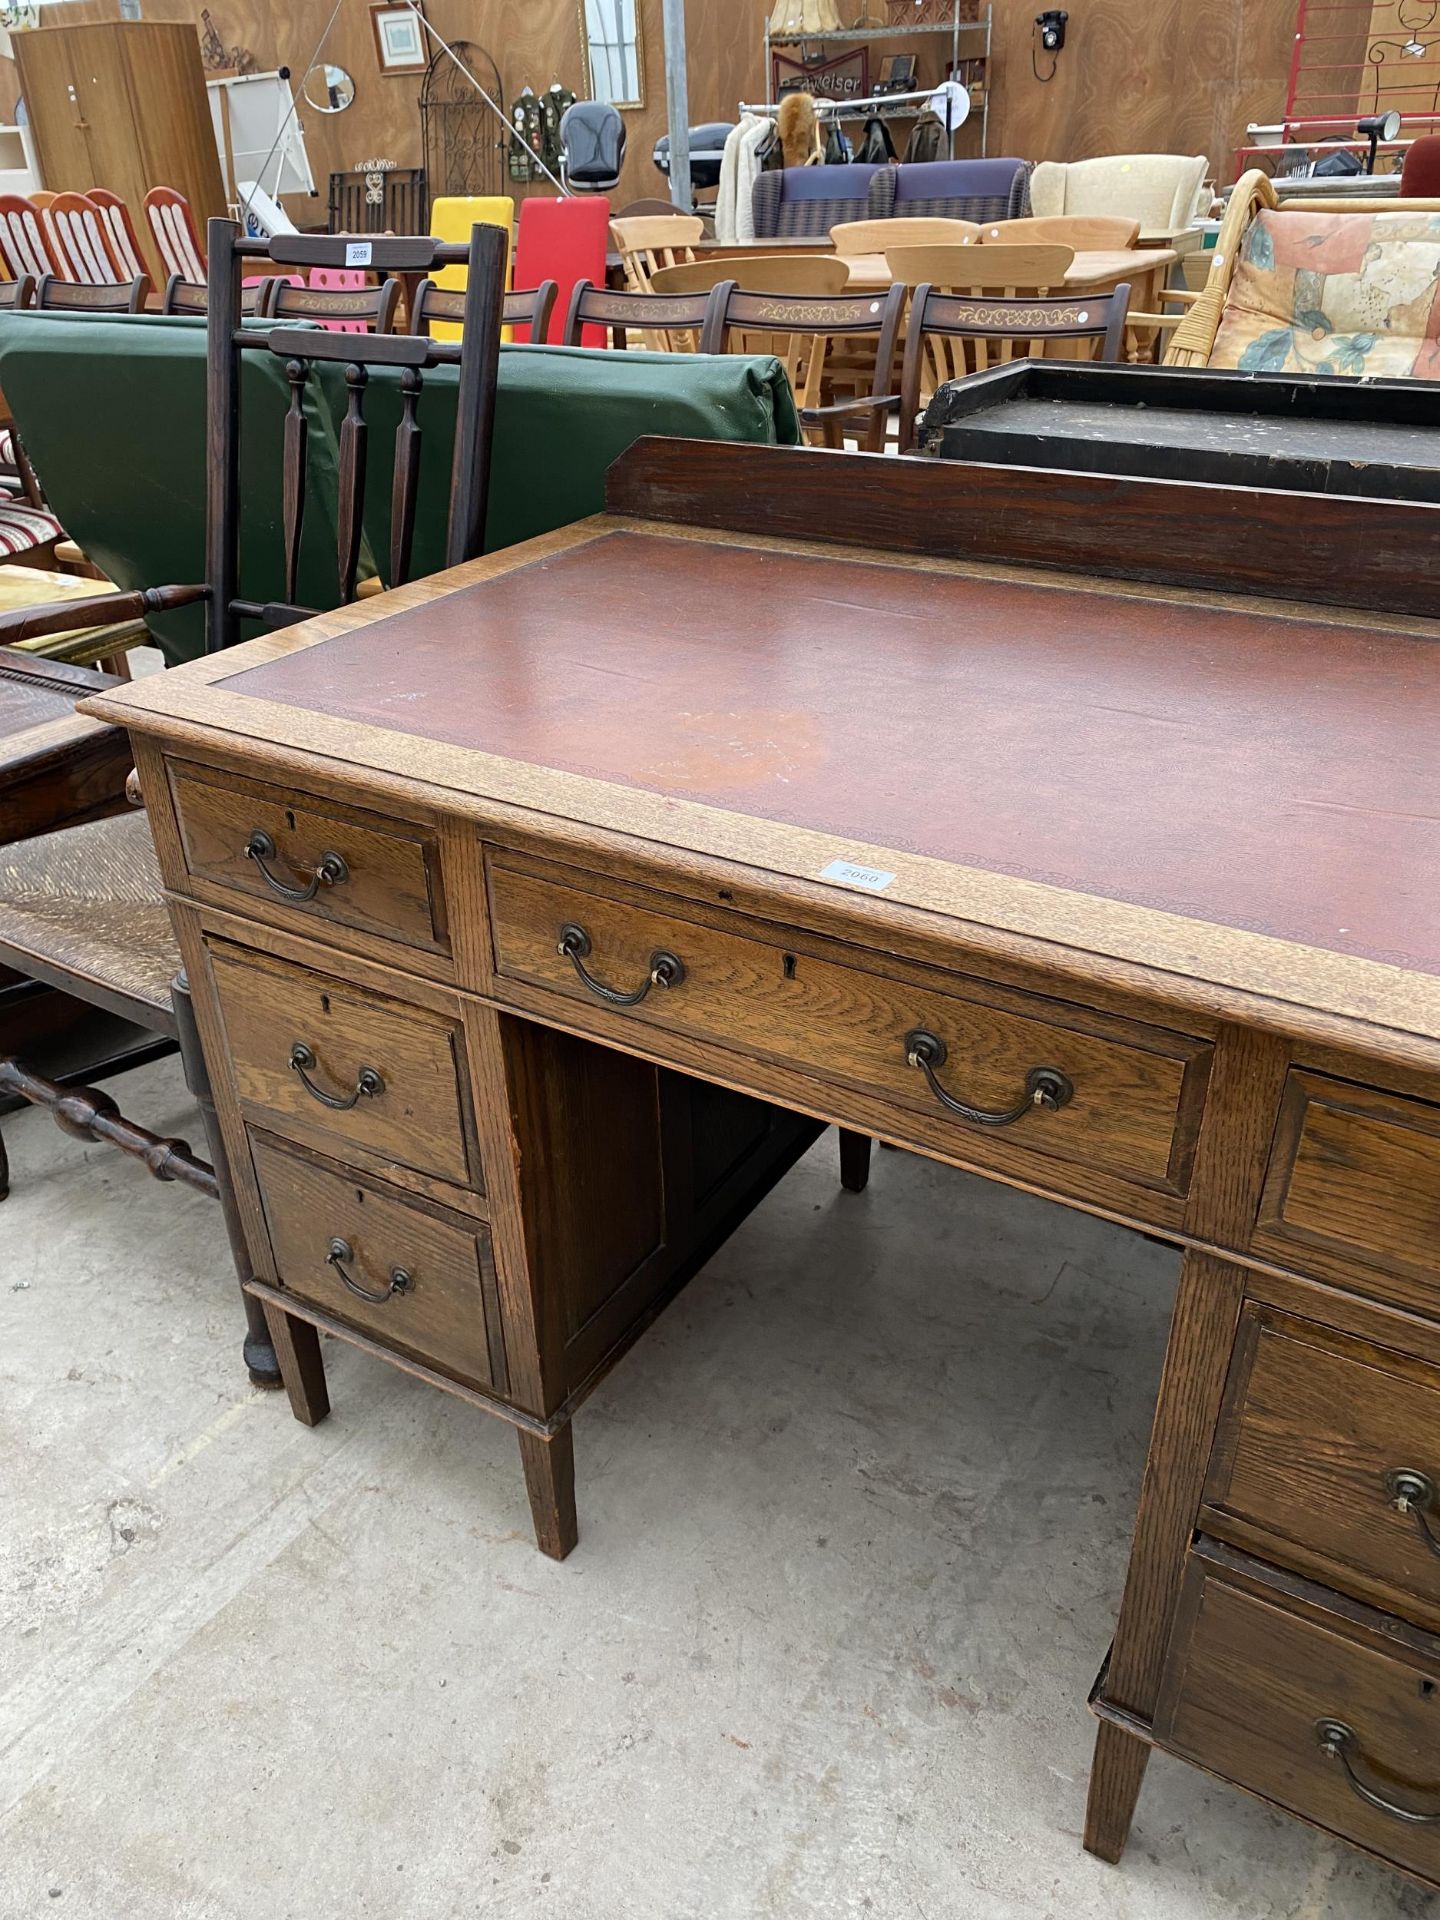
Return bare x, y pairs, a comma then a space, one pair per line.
804, 203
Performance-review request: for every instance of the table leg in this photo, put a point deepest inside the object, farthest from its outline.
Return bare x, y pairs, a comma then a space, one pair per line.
550, 1482
302, 1368
854, 1160
1115, 1780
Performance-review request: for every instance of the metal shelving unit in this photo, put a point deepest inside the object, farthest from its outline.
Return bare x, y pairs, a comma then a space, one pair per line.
970, 40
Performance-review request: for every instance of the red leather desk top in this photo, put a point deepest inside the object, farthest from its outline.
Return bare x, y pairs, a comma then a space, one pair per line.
1275, 774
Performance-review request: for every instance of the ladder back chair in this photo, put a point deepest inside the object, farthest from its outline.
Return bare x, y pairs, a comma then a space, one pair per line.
120, 228
172, 227
804, 330
84, 909
24, 243
529, 307
80, 240
363, 309
54, 295
664, 322
952, 335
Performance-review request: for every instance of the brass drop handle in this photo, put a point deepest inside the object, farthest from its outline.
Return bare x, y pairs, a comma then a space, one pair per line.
341, 1251
1046, 1088
329, 871
666, 969
1340, 1742
368, 1083
1411, 1491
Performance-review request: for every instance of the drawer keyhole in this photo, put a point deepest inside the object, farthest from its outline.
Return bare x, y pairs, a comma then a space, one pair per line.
788, 963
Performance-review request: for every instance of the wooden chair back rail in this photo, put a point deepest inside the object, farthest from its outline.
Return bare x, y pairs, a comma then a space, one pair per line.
80, 240
950, 337
24, 244
19, 292
300, 349
84, 296
376, 306
667, 323
120, 229
879, 236
989, 269
808, 326
184, 296
817, 274
1081, 232
526, 307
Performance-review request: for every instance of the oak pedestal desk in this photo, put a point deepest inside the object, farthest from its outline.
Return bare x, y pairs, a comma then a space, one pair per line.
1079, 831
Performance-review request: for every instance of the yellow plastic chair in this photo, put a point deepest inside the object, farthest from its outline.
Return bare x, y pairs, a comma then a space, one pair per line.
451, 218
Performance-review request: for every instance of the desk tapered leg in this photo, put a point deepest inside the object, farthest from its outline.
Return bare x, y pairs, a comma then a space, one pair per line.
302, 1369
854, 1160
1116, 1776
550, 1483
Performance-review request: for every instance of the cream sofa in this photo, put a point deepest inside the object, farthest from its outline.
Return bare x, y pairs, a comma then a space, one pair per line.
1160, 190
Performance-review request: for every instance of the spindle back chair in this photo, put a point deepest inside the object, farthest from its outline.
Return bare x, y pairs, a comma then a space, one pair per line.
120, 228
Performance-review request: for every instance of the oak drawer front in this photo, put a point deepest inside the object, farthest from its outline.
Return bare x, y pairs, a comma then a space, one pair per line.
363, 1069
1311, 1709
841, 1022
1328, 1458
1354, 1178
336, 1236
337, 864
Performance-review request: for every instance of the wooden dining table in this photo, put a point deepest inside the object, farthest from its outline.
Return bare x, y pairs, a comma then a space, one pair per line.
1096, 272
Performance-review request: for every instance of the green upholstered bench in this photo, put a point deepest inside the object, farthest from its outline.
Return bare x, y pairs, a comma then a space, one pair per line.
112, 414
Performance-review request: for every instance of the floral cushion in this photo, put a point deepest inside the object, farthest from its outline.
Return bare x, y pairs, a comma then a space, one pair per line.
1343, 293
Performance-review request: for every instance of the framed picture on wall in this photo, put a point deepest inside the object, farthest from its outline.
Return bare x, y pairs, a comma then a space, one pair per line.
399, 39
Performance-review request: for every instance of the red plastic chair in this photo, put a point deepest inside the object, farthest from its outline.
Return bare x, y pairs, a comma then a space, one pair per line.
124, 242
345, 279
173, 227
1420, 176
563, 241
80, 240
24, 243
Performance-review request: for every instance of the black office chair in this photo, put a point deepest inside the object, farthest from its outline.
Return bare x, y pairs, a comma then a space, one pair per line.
592, 146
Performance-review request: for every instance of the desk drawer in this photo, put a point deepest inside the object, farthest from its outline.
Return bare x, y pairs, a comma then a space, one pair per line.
1354, 1181
430, 1272
1328, 1458
312, 859
355, 1068
1129, 1096
1262, 1668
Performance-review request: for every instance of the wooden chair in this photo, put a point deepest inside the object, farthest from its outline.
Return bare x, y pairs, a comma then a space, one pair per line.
84, 910
950, 336
120, 230
24, 243
1084, 233
807, 327
853, 237
371, 308
19, 292
172, 227
654, 240
1012, 272
814, 274
432, 303
54, 295
80, 241
675, 321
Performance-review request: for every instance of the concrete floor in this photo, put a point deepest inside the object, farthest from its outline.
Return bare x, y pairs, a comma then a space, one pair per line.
853, 1515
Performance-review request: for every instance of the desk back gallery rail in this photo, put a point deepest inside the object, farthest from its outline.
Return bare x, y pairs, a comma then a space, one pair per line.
970, 866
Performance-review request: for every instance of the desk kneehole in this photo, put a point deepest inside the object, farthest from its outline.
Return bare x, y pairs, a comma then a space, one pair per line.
1059, 1081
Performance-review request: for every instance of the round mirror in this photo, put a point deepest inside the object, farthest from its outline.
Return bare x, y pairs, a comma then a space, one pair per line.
328, 89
